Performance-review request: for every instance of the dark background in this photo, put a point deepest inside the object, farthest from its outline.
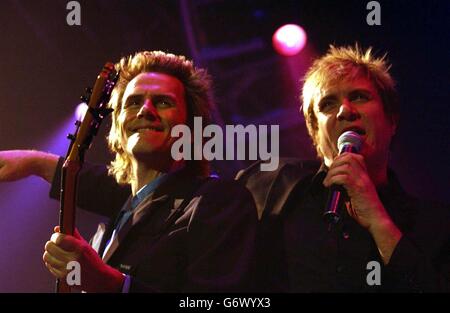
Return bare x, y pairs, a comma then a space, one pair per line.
45, 65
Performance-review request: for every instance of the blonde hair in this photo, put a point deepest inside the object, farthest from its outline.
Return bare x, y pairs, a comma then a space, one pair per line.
197, 85
344, 64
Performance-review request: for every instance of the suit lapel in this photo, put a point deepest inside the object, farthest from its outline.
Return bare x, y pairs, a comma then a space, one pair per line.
163, 206
271, 189
104, 232
283, 185
144, 210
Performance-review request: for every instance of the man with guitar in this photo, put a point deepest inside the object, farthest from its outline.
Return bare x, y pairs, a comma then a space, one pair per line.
173, 234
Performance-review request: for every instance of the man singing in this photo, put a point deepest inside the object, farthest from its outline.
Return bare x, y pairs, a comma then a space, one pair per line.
385, 240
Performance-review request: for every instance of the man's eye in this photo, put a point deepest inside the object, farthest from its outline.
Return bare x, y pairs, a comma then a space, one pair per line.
132, 103
359, 97
326, 105
164, 104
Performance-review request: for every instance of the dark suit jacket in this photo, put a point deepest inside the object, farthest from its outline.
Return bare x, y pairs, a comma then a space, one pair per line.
181, 238
307, 257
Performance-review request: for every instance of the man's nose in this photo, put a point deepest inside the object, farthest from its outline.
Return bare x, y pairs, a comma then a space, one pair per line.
148, 110
347, 112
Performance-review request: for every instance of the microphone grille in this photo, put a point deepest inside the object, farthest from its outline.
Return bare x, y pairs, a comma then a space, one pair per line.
349, 138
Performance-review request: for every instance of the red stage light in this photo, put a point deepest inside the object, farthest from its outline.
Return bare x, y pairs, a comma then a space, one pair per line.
289, 39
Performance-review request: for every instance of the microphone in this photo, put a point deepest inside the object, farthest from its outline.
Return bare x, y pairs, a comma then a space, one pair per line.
348, 141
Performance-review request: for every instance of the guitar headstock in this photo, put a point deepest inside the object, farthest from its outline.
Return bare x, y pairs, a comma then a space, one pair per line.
97, 100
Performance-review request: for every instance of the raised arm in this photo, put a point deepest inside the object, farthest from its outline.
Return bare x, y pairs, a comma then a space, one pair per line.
19, 164
97, 192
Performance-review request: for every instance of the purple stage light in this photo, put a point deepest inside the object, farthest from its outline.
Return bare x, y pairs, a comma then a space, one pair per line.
81, 111
289, 39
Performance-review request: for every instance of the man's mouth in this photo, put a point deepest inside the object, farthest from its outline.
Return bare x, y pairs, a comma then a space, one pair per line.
142, 129
359, 130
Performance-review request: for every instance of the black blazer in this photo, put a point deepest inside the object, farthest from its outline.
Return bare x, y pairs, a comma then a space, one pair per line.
181, 238
306, 257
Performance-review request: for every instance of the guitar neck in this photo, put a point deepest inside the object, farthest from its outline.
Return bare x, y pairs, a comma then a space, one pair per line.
69, 184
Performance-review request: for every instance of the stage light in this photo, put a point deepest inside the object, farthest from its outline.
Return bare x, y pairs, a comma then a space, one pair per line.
289, 39
81, 111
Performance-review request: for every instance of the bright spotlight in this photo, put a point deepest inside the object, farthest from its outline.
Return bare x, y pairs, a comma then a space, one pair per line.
289, 39
81, 111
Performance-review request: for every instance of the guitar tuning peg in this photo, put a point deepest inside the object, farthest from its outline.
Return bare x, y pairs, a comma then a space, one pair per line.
88, 90
113, 76
71, 136
77, 123
84, 99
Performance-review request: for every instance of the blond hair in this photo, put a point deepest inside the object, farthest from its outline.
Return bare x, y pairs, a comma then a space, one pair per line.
344, 64
197, 85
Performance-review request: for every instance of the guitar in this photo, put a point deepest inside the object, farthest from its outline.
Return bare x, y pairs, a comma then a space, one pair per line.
81, 140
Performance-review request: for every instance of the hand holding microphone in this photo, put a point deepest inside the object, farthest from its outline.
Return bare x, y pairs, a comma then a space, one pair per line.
349, 175
348, 141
